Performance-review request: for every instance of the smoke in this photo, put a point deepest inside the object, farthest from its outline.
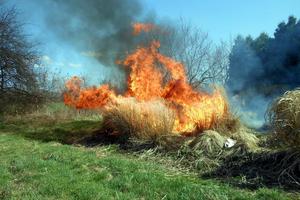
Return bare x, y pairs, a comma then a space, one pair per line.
245, 66
97, 28
251, 108
263, 68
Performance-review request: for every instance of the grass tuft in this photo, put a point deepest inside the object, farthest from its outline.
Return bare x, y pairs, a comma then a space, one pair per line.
141, 120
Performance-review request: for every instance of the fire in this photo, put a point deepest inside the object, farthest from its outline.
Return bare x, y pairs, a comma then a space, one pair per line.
87, 98
141, 27
195, 110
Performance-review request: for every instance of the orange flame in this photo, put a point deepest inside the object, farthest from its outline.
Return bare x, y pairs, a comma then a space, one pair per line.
139, 27
195, 110
89, 97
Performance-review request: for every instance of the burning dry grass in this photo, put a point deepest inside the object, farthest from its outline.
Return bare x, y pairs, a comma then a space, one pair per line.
154, 121
284, 117
194, 109
141, 120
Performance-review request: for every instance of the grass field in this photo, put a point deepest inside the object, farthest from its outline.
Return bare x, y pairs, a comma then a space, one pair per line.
38, 162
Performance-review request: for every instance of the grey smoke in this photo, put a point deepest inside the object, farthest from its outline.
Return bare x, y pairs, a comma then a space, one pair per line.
250, 105
266, 67
100, 28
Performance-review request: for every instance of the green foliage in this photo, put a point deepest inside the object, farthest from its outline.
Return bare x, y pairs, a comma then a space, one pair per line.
34, 170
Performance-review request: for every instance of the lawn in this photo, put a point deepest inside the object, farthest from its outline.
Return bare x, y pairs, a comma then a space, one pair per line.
36, 162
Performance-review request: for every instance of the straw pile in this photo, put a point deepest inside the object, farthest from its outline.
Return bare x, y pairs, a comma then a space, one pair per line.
284, 117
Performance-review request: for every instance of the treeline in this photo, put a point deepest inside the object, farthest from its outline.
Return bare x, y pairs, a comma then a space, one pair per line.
23, 82
266, 65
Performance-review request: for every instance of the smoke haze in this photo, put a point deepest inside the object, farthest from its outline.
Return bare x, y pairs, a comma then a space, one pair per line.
97, 28
263, 68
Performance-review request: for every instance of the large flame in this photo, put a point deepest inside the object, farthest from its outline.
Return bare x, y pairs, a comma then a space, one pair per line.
195, 110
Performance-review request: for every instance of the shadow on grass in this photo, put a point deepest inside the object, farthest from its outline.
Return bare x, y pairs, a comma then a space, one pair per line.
255, 170
80, 132
68, 132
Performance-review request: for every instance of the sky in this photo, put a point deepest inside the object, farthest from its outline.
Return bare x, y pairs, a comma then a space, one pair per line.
222, 19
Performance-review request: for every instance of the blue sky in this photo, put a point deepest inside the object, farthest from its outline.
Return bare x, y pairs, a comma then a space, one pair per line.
222, 19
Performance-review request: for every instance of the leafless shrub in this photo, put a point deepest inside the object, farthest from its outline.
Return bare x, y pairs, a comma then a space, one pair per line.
18, 58
204, 61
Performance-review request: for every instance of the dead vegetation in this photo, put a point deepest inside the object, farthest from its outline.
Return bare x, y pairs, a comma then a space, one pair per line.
277, 164
148, 125
271, 168
284, 117
140, 120
53, 113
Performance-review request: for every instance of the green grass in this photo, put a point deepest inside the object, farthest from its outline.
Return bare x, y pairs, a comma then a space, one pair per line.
31, 169
37, 163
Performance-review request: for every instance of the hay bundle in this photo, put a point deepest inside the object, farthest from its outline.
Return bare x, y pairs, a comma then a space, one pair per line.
209, 142
141, 120
284, 117
245, 137
212, 143
203, 151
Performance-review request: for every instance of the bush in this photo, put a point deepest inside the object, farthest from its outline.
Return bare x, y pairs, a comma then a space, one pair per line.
284, 117
141, 120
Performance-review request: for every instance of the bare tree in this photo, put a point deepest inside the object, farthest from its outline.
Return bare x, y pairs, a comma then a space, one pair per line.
205, 62
18, 58
51, 82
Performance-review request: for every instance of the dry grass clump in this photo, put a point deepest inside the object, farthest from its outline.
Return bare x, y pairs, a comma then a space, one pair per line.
209, 142
202, 152
142, 120
207, 150
246, 137
212, 143
231, 127
284, 117
227, 125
